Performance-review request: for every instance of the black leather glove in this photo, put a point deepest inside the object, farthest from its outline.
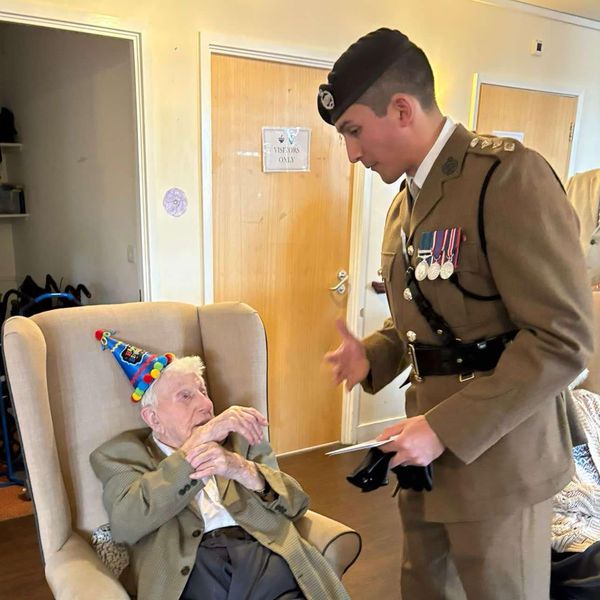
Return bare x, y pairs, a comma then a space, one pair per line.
372, 473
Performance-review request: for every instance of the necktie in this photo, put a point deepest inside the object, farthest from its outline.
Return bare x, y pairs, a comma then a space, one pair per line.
414, 189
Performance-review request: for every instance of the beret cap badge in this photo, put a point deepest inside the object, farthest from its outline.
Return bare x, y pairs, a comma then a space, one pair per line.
326, 98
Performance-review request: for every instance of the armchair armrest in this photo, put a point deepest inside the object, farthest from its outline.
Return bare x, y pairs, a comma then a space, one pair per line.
76, 572
339, 544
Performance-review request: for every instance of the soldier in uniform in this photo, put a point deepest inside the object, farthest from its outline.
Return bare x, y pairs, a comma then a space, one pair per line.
486, 284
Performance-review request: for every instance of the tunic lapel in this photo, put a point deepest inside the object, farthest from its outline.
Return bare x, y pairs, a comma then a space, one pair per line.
447, 165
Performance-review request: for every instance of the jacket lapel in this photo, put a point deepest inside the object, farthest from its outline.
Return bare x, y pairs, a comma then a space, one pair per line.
158, 455
447, 165
239, 445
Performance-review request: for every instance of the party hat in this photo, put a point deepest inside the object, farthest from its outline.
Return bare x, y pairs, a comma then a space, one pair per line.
141, 367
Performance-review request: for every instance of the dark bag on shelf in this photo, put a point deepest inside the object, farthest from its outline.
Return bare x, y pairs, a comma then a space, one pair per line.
8, 133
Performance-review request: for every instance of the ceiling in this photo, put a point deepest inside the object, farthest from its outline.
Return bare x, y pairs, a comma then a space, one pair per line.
590, 9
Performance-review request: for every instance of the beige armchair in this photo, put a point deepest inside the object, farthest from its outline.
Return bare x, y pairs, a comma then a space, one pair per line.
69, 398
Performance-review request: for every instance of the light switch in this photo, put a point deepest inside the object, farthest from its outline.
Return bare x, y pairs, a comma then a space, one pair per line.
131, 253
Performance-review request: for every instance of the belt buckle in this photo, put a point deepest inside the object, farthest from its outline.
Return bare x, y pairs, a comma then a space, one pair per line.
466, 377
413, 359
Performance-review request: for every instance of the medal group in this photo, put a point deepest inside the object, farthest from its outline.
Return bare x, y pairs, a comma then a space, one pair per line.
438, 251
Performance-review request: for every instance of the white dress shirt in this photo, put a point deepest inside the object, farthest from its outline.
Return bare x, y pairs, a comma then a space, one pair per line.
416, 183
213, 512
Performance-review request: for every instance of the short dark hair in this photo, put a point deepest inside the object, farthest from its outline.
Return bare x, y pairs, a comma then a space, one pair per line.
411, 74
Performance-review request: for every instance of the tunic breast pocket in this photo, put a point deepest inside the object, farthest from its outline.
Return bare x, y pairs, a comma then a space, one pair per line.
447, 299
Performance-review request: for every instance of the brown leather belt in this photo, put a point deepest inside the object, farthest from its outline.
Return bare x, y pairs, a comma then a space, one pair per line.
460, 358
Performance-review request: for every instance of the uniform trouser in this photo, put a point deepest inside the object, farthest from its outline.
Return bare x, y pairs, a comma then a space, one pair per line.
506, 557
237, 567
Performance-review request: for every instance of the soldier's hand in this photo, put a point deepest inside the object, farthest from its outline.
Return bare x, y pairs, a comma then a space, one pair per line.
415, 442
246, 421
349, 361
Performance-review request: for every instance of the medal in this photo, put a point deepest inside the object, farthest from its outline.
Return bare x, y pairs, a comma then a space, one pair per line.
421, 270
447, 270
434, 271
424, 253
447, 264
435, 267
451, 246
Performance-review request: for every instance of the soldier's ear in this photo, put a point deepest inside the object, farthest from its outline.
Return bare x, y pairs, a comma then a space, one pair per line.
402, 108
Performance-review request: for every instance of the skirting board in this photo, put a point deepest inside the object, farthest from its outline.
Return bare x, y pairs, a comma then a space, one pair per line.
368, 431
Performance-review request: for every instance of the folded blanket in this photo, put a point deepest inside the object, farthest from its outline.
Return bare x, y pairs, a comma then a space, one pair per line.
576, 518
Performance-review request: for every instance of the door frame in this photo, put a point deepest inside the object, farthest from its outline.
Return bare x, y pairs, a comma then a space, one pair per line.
215, 43
135, 37
480, 78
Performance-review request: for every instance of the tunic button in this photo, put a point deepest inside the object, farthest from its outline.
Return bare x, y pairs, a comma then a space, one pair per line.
410, 250
196, 533
407, 294
185, 570
411, 336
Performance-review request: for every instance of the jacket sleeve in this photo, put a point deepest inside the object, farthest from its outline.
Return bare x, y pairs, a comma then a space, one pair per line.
387, 357
538, 267
291, 500
139, 495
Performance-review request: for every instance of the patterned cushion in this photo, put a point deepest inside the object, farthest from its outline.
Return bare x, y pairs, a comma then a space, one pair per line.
113, 555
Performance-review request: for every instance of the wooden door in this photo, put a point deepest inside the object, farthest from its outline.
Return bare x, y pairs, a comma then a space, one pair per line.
546, 119
280, 239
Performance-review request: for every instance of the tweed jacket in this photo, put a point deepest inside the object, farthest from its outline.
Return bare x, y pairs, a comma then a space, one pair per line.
505, 431
150, 502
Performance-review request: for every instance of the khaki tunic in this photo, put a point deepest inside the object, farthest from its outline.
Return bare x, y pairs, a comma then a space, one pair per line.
150, 502
583, 191
505, 431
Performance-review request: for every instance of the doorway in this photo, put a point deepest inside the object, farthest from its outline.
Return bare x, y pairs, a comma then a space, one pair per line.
80, 159
282, 240
543, 120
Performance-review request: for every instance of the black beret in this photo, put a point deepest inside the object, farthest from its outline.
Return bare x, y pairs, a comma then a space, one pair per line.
355, 71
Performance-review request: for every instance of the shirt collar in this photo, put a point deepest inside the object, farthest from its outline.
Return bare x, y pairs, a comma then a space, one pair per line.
434, 152
167, 450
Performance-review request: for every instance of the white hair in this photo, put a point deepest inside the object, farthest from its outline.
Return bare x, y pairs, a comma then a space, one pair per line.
185, 364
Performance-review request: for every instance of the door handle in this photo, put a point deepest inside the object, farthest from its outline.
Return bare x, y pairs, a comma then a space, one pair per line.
340, 286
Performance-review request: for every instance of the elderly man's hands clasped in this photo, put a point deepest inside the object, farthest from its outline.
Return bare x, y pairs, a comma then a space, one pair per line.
204, 452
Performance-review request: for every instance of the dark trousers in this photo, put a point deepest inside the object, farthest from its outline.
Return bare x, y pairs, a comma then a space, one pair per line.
232, 565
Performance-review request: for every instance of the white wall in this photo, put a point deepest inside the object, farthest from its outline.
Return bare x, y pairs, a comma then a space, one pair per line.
72, 96
461, 37
8, 277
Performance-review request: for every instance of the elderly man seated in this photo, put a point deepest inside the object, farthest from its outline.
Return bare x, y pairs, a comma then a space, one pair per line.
199, 499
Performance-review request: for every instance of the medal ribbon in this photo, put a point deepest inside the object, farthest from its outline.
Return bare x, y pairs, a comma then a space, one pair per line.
425, 247
456, 245
449, 247
437, 246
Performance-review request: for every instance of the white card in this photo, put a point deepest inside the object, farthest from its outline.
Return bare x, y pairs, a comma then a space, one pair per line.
362, 446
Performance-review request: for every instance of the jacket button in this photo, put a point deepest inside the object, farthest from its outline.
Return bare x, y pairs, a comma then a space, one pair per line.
194, 482
185, 570
181, 492
196, 533
410, 250
411, 336
407, 294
